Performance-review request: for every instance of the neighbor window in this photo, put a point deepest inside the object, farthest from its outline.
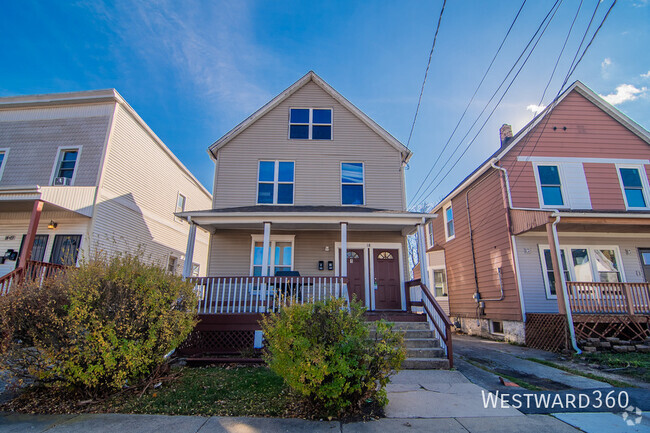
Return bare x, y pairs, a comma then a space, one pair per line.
439, 283
280, 255
196, 269
3, 156
180, 206
585, 264
450, 231
633, 190
171, 264
550, 185
430, 230
65, 167
352, 183
275, 181
310, 123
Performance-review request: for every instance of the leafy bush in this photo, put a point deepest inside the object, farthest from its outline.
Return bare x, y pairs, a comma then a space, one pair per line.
95, 328
325, 354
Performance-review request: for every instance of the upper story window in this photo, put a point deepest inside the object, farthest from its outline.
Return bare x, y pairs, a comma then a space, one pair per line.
3, 157
634, 186
550, 185
275, 181
450, 231
65, 168
430, 230
310, 123
352, 183
180, 206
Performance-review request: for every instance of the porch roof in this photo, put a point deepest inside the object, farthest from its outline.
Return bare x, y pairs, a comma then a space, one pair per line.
534, 220
308, 217
77, 200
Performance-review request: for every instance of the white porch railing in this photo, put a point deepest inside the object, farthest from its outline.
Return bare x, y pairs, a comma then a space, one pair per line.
228, 295
609, 298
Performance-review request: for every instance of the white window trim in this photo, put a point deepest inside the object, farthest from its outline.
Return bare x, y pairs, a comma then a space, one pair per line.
178, 194
432, 281
363, 182
4, 150
57, 161
444, 213
272, 240
644, 185
311, 122
563, 186
276, 182
492, 331
569, 259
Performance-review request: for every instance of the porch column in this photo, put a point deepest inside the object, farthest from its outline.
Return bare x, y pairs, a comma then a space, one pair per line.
344, 249
189, 251
26, 254
422, 255
265, 249
558, 271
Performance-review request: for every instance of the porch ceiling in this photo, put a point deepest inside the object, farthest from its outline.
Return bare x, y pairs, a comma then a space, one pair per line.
28, 204
581, 222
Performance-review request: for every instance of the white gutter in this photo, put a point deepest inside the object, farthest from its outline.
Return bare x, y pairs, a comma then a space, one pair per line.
563, 287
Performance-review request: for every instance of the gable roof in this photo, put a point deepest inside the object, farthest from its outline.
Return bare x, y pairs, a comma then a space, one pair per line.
581, 89
307, 78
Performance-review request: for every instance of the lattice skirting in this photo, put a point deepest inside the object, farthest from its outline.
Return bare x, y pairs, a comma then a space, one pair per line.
547, 332
550, 331
217, 342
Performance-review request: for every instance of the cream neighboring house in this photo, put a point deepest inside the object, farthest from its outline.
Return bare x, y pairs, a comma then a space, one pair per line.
88, 173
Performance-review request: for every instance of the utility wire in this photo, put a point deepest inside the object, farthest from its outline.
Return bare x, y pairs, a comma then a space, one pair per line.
470, 101
543, 24
426, 72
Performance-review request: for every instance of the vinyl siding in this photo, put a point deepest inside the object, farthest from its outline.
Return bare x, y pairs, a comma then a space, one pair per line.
14, 224
230, 250
137, 198
317, 162
492, 251
530, 265
34, 136
590, 133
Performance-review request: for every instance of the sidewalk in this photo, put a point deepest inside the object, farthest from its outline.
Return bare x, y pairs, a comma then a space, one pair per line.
420, 401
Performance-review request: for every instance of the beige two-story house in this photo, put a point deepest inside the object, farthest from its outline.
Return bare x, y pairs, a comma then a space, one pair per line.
308, 186
82, 173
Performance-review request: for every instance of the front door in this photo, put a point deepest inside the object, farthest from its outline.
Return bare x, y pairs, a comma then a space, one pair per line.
387, 282
38, 250
356, 275
65, 249
645, 262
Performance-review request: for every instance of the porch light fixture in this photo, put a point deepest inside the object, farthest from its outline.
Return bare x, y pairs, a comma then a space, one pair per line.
52, 225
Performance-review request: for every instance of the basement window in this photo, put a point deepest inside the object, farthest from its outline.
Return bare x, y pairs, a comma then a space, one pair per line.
496, 327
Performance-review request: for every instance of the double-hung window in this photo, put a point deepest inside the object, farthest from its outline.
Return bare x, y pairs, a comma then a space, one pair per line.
450, 231
439, 283
430, 230
280, 254
3, 157
547, 262
352, 178
275, 182
66, 165
180, 206
550, 185
635, 190
310, 123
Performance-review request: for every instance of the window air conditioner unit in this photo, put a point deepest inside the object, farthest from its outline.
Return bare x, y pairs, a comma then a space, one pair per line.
62, 181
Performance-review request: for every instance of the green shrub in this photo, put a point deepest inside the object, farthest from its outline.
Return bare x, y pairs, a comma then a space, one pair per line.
98, 327
325, 353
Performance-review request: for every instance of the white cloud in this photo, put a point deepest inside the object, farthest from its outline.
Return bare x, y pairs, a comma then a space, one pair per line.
535, 109
624, 93
646, 75
606, 63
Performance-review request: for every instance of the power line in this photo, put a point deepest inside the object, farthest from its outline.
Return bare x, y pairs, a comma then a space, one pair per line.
471, 100
426, 72
543, 24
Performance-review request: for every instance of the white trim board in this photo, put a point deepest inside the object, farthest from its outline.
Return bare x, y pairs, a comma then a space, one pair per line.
560, 159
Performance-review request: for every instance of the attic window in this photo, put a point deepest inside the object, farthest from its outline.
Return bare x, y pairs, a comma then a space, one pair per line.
310, 124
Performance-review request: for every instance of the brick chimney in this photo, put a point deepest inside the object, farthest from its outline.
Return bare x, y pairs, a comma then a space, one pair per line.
505, 133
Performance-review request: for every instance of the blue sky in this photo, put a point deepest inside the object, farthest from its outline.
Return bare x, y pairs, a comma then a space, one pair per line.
194, 69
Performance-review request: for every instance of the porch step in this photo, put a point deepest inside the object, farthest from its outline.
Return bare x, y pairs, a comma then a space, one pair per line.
424, 352
425, 364
406, 326
410, 334
417, 343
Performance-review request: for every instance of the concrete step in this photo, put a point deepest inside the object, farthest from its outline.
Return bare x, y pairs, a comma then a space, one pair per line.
410, 333
425, 364
414, 343
405, 326
425, 353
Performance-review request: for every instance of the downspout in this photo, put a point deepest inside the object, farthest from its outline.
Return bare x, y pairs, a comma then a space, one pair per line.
565, 291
